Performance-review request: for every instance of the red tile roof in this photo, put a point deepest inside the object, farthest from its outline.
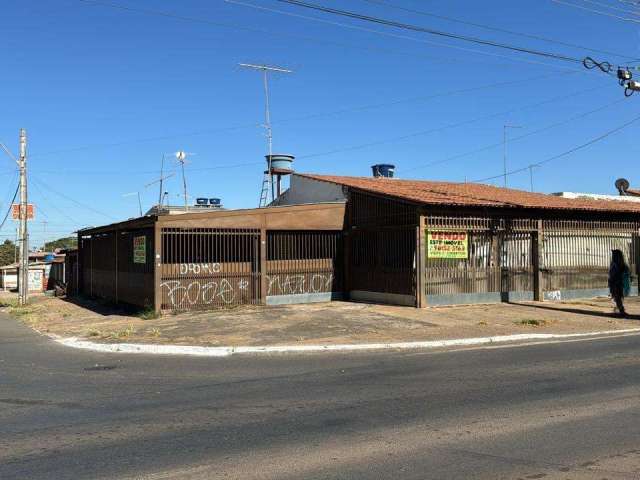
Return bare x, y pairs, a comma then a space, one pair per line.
473, 194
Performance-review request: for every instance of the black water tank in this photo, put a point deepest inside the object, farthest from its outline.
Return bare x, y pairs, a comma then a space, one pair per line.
383, 170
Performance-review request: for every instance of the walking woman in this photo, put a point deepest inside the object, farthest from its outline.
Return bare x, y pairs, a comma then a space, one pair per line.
619, 280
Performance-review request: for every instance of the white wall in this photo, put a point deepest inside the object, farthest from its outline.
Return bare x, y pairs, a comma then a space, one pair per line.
306, 190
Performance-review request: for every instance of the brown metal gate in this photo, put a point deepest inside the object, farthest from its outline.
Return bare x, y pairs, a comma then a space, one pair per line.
576, 254
304, 263
499, 262
209, 267
383, 260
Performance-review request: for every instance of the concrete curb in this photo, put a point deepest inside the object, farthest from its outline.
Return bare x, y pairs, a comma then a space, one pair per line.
75, 342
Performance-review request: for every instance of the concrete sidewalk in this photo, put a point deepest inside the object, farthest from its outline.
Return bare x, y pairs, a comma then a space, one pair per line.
335, 323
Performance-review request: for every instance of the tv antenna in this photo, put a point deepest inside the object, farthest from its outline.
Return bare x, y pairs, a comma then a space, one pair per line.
266, 71
131, 194
160, 180
181, 157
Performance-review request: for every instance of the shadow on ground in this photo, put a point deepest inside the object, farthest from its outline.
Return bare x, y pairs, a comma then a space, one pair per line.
579, 311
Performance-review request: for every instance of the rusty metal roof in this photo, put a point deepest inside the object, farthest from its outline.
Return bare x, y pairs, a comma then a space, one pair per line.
472, 194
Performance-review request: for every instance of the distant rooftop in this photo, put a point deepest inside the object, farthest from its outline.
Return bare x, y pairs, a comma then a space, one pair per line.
598, 196
179, 209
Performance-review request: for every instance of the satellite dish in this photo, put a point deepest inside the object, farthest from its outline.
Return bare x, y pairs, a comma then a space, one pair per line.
622, 184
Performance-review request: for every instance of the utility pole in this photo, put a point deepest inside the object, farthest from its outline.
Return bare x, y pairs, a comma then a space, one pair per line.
23, 290
504, 131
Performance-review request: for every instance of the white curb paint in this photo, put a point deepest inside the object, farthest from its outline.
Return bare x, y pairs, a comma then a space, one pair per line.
227, 351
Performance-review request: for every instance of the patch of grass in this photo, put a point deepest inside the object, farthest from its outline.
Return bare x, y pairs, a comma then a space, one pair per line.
95, 333
482, 323
154, 332
532, 322
148, 313
127, 332
9, 302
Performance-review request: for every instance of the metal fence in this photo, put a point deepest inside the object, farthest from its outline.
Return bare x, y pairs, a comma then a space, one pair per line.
573, 255
304, 262
576, 255
209, 267
109, 269
205, 268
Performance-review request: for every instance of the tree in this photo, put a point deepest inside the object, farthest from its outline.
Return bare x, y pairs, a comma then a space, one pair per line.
66, 242
7, 252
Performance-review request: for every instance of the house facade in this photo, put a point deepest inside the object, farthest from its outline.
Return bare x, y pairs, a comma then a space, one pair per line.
404, 242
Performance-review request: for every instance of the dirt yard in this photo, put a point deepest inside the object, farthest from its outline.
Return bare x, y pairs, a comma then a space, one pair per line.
323, 323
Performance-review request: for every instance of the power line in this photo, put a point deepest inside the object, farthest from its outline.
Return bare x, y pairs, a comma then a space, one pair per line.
453, 125
566, 153
80, 204
441, 33
492, 28
311, 116
53, 205
599, 12
276, 33
394, 35
610, 7
519, 137
10, 207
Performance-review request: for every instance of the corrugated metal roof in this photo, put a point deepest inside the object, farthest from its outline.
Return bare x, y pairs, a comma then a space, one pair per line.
472, 194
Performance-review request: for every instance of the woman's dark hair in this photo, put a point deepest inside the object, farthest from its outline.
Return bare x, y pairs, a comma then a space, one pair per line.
617, 257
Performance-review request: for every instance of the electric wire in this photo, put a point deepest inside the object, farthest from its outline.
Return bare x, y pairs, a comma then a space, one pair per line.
394, 35
72, 200
519, 137
6, 215
299, 118
611, 7
441, 33
446, 127
492, 28
53, 205
612, 15
566, 153
278, 33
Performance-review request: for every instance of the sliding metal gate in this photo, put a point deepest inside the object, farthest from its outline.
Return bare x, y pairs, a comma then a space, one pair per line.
498, 264
205, 268
501, 260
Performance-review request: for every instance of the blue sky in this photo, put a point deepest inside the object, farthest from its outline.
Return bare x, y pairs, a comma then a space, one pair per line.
104, 92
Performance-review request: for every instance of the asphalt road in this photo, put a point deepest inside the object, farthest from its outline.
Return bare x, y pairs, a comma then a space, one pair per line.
553, 411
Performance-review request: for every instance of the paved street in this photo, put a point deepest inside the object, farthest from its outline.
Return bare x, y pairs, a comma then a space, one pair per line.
553, 411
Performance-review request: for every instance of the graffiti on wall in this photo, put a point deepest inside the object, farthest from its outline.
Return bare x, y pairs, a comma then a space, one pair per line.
210, 291
197, 292
199, 268
291, 284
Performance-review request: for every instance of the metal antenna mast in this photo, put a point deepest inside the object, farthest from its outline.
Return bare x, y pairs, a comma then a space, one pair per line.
266, 70
160, 180
182, 157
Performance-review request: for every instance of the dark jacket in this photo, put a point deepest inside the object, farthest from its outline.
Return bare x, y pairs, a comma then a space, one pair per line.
616, 278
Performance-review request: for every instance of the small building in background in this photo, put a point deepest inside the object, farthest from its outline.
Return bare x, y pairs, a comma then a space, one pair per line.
38, 277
